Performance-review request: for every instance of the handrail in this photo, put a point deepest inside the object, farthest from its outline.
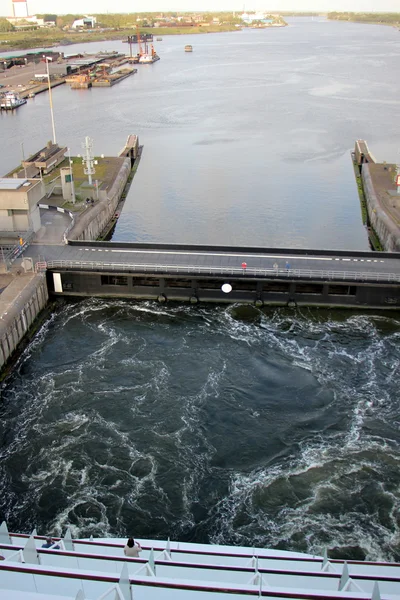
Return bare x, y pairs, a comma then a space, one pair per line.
332, 275
232, 588
10, 252
220, 567
203, 552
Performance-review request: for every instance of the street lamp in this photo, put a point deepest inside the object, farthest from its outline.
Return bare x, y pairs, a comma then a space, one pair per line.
50, 98
72, 177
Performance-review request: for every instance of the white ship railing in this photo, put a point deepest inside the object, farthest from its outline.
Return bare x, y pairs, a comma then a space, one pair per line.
29, 569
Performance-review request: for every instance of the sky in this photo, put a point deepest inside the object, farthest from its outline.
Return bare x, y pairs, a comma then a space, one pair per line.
103, 6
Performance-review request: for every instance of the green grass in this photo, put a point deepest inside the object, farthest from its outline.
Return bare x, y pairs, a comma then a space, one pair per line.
46, 38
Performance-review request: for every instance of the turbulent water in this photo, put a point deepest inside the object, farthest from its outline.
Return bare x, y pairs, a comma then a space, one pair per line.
271, 428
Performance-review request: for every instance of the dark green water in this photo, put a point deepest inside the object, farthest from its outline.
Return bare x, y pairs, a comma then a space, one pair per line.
274, 428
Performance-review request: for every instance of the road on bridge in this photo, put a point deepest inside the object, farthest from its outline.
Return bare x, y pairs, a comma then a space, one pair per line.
220, 260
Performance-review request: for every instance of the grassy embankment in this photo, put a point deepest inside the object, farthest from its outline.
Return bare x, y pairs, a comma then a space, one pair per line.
46, 38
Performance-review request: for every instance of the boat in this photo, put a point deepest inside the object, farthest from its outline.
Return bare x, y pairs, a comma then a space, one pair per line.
149, 57
146, 59
31, 95
11, 100
188, 48
42, 568
159, 39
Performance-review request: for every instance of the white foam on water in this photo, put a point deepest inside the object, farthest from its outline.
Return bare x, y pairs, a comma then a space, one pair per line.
356, 363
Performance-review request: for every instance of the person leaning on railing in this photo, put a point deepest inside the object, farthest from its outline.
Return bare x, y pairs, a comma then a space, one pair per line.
132, 548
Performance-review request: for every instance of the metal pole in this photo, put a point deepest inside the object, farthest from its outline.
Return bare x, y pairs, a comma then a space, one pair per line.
72, 177
23, 157
51, 102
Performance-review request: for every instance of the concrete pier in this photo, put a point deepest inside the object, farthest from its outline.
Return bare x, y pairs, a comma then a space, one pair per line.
381, 197
20, 304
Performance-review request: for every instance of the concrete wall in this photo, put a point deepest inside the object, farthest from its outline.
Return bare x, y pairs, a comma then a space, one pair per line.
20, 303
387, 231
97, 217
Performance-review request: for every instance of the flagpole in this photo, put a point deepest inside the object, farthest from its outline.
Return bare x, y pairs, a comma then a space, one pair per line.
51, 101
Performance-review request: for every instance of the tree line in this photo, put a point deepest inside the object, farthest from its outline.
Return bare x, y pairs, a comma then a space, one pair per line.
382, 18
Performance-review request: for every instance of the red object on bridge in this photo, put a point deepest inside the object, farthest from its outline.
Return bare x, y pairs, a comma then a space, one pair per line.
244, 265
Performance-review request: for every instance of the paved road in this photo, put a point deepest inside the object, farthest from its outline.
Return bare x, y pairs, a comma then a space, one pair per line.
54, 224
219, 261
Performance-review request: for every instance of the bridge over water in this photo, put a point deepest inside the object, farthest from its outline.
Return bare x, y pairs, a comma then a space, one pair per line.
197, 273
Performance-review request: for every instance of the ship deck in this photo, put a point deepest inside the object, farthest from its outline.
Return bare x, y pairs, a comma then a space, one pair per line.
97, 569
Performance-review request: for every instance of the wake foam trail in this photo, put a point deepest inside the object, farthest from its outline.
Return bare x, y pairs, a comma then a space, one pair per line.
188, 421
335, 488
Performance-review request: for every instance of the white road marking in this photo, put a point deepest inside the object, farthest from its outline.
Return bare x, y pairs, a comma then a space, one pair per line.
241, 256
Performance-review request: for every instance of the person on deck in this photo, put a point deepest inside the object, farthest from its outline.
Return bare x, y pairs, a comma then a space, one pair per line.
50, 544
132, 548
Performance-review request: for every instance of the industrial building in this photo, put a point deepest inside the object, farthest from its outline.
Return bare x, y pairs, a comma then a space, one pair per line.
19, 199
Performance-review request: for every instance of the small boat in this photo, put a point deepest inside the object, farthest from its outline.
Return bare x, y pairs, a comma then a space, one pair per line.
188, 48
31, 95
147, 59
159, 39
11, 100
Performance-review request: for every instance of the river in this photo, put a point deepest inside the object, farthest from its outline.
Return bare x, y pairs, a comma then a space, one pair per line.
205, 423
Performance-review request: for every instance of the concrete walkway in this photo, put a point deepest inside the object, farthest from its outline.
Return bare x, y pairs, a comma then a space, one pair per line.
54, 224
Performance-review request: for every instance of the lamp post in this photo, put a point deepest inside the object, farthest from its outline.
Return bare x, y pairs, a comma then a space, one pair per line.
51, 99
88, 160
72, 177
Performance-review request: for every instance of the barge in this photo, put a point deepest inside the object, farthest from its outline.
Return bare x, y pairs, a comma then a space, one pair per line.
111, 79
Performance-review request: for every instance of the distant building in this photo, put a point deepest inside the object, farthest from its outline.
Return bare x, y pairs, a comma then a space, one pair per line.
84, 23
21, 22
20, 9
19, 198
50, 20
46, 159
259, 16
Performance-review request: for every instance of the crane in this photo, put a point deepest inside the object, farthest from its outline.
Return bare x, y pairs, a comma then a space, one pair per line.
138, 40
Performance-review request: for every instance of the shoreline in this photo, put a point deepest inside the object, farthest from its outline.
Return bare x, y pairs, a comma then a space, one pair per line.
122, 35
86, 39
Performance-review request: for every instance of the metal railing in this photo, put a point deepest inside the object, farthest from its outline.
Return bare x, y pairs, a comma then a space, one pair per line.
10, 252
351, 276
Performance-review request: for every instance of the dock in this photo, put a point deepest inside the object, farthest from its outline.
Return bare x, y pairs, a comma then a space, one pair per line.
79, 71
112, 78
